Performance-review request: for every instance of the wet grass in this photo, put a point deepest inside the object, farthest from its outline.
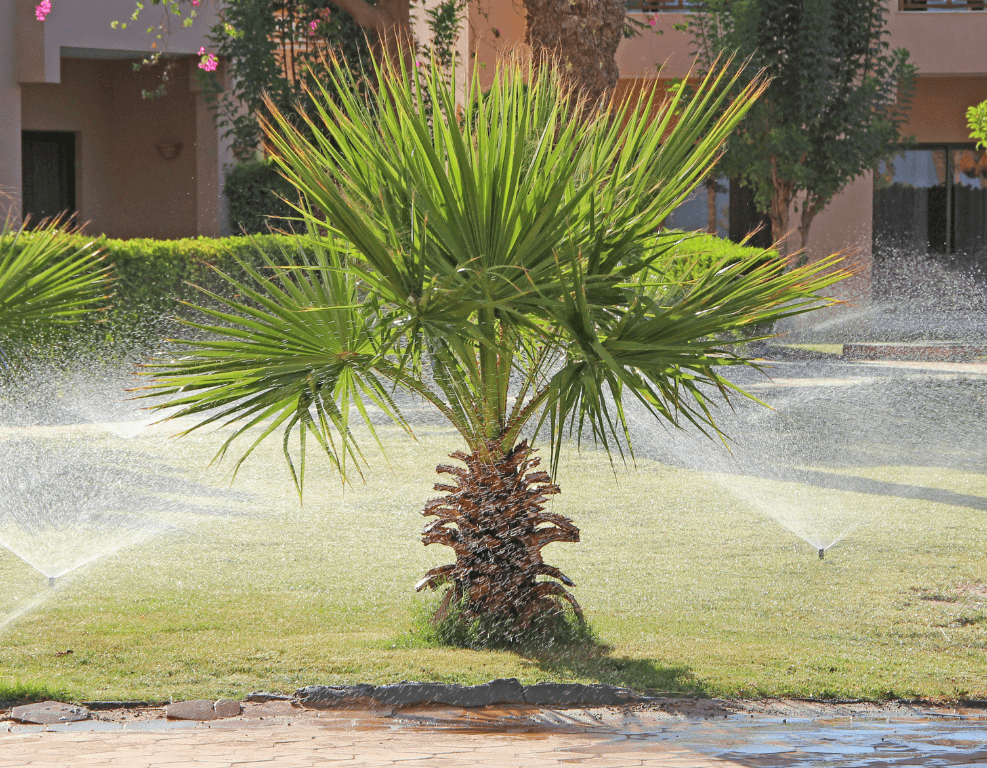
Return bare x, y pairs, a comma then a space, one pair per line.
688, 587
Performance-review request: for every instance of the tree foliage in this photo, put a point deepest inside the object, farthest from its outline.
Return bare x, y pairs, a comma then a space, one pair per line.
273, 50
836, 104
976, 121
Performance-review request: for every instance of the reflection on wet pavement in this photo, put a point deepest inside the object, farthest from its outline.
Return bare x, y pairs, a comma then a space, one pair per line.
672, 733
918, 737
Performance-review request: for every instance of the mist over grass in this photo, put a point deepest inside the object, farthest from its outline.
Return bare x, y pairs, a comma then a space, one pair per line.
690, 584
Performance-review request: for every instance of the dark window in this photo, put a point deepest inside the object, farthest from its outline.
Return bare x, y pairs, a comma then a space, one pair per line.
662, 6
930, 219
48, 166
941, 5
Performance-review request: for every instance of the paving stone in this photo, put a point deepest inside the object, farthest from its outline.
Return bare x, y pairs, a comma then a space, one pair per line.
227, 708
502, 691
330, 696
578, 694
260, 697
49, 713
273, 708
202, 710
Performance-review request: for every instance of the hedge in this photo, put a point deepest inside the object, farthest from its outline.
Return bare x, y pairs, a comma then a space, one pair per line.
152, 277
700, 252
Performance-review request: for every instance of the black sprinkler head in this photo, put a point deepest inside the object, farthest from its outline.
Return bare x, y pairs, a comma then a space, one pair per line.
822, 553
51, 582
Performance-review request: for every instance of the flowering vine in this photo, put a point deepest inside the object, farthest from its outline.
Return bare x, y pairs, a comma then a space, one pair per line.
207, 61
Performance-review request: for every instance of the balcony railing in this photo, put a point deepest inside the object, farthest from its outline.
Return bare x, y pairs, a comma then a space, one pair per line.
662, 6
942, 5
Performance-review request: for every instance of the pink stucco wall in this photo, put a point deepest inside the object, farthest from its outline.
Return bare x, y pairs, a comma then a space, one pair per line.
125, 187
75, 73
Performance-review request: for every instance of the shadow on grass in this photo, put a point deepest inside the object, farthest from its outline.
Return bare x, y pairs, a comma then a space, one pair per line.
12, 694
594, 660
565, 651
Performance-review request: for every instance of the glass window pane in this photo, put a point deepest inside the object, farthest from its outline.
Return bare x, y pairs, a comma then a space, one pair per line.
969, 236
693, 214
910, 202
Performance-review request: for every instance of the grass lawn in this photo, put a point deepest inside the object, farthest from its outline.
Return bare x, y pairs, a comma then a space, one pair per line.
692, 588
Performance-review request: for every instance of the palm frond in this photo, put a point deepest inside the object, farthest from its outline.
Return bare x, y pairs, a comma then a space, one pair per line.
48, 281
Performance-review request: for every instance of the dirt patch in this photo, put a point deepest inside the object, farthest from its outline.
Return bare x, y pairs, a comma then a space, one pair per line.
975, 590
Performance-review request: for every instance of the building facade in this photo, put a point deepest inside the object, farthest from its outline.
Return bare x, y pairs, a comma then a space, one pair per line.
924, 218
76, 134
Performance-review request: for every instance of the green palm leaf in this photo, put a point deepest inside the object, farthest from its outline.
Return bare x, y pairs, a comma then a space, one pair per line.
48, 281
502, 260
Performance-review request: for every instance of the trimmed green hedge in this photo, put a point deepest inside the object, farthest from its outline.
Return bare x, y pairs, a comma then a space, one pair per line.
152, 277
705, 252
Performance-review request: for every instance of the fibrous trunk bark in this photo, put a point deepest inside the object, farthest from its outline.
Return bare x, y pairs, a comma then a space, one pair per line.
494, 519
583, 34
388, 21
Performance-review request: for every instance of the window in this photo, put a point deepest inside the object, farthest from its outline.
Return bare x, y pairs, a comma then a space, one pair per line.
930, 215
693, 214
662, 6
941, 5
48, 174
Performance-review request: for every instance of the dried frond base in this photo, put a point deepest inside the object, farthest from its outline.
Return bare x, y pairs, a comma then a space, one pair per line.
494, 519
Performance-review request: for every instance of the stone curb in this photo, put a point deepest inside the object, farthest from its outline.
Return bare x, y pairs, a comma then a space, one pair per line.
395, 695
502, 691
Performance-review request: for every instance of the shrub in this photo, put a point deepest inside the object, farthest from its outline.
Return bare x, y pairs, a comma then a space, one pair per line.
255, 192
149, 279
700, 252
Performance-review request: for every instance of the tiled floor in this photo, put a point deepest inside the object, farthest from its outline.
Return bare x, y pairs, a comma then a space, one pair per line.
307, 743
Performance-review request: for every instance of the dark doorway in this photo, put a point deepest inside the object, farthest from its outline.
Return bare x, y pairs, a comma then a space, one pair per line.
745, 218
48, 167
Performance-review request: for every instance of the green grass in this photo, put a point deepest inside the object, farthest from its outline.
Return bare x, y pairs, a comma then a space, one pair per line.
688, 587
825, 349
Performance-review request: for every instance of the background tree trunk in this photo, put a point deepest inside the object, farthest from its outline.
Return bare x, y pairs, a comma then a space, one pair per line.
389, 21
584, 34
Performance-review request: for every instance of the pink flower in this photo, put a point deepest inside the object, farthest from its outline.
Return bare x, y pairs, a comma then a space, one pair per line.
207, 61
311, 27
653, 20
195, 2
43, 9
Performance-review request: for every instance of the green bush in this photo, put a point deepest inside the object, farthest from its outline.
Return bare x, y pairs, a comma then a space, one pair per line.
255, 192
697, 253
150, 278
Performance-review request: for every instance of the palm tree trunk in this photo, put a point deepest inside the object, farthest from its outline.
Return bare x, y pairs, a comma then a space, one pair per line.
493, 517
584, 34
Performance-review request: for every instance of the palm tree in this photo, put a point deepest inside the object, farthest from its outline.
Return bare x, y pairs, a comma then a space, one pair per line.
502, 261
49, 279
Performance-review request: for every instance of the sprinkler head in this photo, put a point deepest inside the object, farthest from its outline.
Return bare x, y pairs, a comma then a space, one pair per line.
51, 582
822, 553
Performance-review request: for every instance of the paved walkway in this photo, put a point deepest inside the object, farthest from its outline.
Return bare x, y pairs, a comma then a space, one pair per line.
307, 742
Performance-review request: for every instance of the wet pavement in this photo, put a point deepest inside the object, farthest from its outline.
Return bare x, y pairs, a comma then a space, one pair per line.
671, 733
